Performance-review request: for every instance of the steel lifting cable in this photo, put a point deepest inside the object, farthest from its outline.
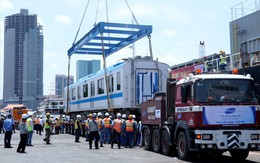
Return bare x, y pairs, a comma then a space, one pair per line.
81, 23
107, 11
131, 12
96, 14
68, 83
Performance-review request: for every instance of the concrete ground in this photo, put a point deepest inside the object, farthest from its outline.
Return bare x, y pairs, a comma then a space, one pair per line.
63, 149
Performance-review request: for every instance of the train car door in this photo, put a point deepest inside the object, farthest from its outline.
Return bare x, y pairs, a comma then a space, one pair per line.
146, 84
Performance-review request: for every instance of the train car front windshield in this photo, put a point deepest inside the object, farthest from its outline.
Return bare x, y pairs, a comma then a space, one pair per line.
224, 91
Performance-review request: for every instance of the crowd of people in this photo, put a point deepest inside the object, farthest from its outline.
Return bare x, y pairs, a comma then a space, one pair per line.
106, 130
123, 131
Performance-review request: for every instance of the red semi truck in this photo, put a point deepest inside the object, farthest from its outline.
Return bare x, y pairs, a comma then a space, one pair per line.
204, 114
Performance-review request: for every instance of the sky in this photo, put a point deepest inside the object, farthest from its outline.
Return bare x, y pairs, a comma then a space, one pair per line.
178, 27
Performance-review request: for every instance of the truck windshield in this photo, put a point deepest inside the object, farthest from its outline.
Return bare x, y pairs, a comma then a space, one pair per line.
224, 91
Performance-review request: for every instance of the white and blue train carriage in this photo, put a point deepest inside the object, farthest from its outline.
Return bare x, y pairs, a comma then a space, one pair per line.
130, 82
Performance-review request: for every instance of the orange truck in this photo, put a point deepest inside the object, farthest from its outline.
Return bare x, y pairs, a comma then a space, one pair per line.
16, 110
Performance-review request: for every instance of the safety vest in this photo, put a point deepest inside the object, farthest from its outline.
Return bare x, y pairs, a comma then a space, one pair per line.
107, 123
37, 121
99, 121
222, 59
29, 124
46, 125
129, 126
117, 125
76, 124
57, 124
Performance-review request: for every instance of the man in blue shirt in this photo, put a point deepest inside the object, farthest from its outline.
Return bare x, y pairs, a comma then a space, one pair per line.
8, 127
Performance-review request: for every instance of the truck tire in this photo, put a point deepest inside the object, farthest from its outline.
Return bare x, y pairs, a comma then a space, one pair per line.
182, 146
239, 154
156, 142
147, 139
165, 143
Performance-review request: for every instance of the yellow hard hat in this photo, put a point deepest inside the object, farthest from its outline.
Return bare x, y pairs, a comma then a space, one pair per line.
90, 115
48, 114
221, 52
130, 116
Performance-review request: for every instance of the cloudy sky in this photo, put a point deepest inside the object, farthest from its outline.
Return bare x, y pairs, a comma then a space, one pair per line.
178, 27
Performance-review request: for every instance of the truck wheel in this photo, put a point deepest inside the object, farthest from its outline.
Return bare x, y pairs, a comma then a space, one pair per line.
182, 146
165, 143
156, 143
239, 154
147, 139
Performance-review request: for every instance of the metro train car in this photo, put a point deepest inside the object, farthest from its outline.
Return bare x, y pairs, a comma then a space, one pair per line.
130, 82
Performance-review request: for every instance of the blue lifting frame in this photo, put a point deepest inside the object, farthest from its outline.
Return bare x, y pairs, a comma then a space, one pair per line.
107, 38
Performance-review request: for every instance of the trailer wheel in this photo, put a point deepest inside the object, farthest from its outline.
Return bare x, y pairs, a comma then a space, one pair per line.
147, 139
239, 154
156, 142
165, 143
182, 146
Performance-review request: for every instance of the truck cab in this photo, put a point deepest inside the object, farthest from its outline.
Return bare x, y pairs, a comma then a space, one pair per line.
206, 113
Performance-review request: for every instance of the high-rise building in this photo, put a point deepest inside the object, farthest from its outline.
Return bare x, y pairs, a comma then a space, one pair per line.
84, 68
23, 60
60, 83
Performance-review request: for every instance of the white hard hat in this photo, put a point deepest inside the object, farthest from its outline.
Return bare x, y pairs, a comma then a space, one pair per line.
24, 116
63, 116
99, 114
134, 116
37, 116
51, 116
94, 115
124, 116
41, 116
118, 115
78, 116
29, 114
107, 114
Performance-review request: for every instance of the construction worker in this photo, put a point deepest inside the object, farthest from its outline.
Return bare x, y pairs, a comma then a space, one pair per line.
136, 131
107, 128
47, 126
52, 123
30, 129
57, 125
8, 128
37, 123
63, 120
93, 132
86, 126
23, 128
101, 128
123, 132
41, 124
129, 128
223, 60
1, 124
139, 135
77, 128
116, 130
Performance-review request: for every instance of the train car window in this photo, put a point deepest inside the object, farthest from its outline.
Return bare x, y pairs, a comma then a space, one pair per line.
118, 81
79, 92
85, 90
110, 83
92, 90
73, 94
101, 86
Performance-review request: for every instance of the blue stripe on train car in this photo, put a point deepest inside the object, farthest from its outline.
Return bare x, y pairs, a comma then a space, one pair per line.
104, 97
